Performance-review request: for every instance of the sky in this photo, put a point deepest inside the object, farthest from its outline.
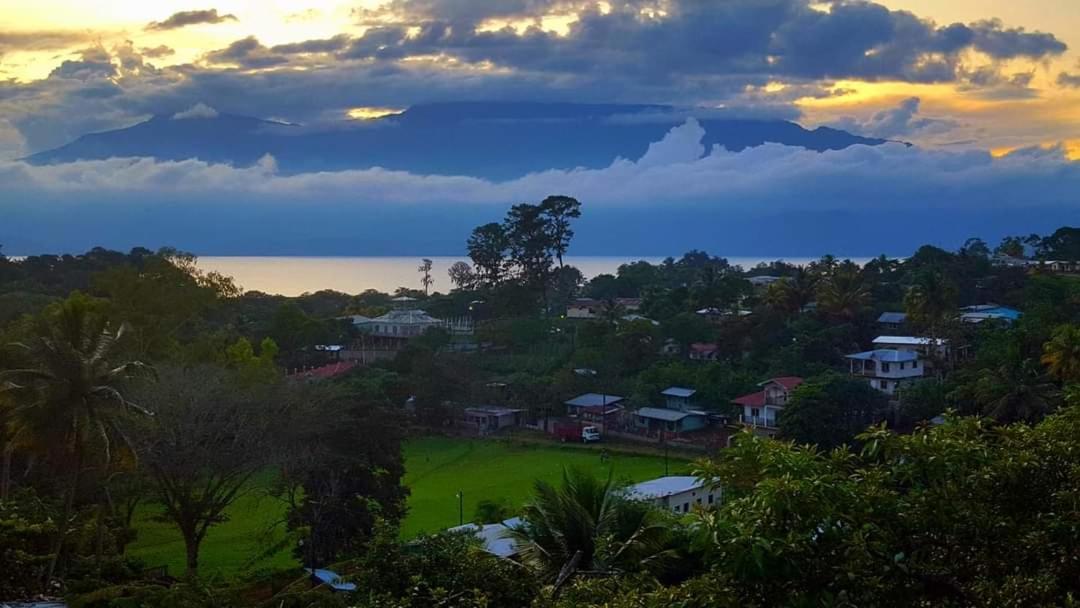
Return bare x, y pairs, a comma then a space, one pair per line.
987, 90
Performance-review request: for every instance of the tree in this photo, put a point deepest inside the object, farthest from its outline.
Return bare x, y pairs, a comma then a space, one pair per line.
487, 246
559, 211
1061, 354
338, 488
585, 524
530, 246
843, 293
71, 397
975, 247
462, 275
790, 294
1012, 392
1012, 246
831, 410
425, 271
210, 436
931, 301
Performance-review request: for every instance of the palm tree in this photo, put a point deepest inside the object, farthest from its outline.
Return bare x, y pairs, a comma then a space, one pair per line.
1016, 392
844, 293
68, 399
931, 300
790, 294
1061, 354
586, 524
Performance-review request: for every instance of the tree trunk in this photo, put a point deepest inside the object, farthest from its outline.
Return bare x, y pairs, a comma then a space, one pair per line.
5, 473
65, 517
191, 545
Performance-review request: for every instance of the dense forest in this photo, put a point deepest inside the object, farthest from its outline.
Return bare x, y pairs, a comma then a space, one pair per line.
140, 381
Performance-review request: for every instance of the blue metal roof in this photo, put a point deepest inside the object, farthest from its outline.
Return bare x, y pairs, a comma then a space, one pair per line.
332, 579
594, 400
678, 391
892, 317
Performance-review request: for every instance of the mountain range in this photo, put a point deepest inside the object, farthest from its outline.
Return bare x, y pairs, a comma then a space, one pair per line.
492, 140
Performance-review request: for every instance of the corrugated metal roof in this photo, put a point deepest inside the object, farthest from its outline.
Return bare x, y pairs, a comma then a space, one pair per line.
678, 391
908, 340
892, 317
659, 413
594, 400
664, 486
494, 537
885, 354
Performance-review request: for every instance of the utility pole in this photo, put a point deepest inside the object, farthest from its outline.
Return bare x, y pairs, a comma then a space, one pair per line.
461, 507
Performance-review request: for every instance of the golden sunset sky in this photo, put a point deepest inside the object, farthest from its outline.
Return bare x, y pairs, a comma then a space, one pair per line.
1028, 103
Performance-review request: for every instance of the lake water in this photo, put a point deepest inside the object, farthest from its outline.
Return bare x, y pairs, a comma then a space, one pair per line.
293, 276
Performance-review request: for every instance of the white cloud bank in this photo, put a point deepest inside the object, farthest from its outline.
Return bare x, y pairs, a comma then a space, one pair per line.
673, 170
674, 188
199, 110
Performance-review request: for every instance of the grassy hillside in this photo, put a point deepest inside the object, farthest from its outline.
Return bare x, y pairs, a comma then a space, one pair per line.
436, 469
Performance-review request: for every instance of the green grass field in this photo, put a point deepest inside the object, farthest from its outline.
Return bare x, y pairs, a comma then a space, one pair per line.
436, 469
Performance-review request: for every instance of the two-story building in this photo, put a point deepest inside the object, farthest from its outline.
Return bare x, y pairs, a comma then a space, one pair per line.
761, 410
887, 369
677, 416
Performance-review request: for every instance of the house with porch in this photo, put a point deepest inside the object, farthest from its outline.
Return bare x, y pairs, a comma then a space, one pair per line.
676, 417
761, 410
887, 369
488, 419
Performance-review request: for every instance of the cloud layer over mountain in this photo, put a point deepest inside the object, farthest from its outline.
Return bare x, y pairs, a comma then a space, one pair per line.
860, 200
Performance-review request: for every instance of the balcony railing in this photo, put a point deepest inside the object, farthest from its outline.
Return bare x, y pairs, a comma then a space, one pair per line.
759, 421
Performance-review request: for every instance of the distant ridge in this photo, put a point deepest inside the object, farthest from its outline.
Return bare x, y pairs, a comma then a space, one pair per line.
493, 140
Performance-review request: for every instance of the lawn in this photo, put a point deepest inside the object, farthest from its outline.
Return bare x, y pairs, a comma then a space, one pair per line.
437, 468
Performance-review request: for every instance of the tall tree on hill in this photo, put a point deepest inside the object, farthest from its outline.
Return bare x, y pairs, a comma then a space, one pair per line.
530, 243
790, 294
462, 275
70, 398
425, 275
559, 211
487, 246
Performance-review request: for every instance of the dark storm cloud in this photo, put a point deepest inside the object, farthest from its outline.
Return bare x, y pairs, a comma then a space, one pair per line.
691, 53
186, 18
777, 37
247, 52
319, 45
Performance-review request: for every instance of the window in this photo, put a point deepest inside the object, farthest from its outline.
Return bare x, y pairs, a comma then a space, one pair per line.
885, 367
710, 499
685, 507
884, 385
901, 365
914, 365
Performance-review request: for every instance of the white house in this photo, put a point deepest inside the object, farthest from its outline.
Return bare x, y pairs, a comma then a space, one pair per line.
401, 324
761, 410
887, 369
494, 538
677, 492
923, 346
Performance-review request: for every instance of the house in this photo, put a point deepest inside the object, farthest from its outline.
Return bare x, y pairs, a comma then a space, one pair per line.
486, 419
989, 312
589, 308
887, 369
761, 410
925, 347
494, 538
677, 492
636, 317
704, 351
892, 320
330, 579
399, 324
678, 398
596, 408
663, 420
